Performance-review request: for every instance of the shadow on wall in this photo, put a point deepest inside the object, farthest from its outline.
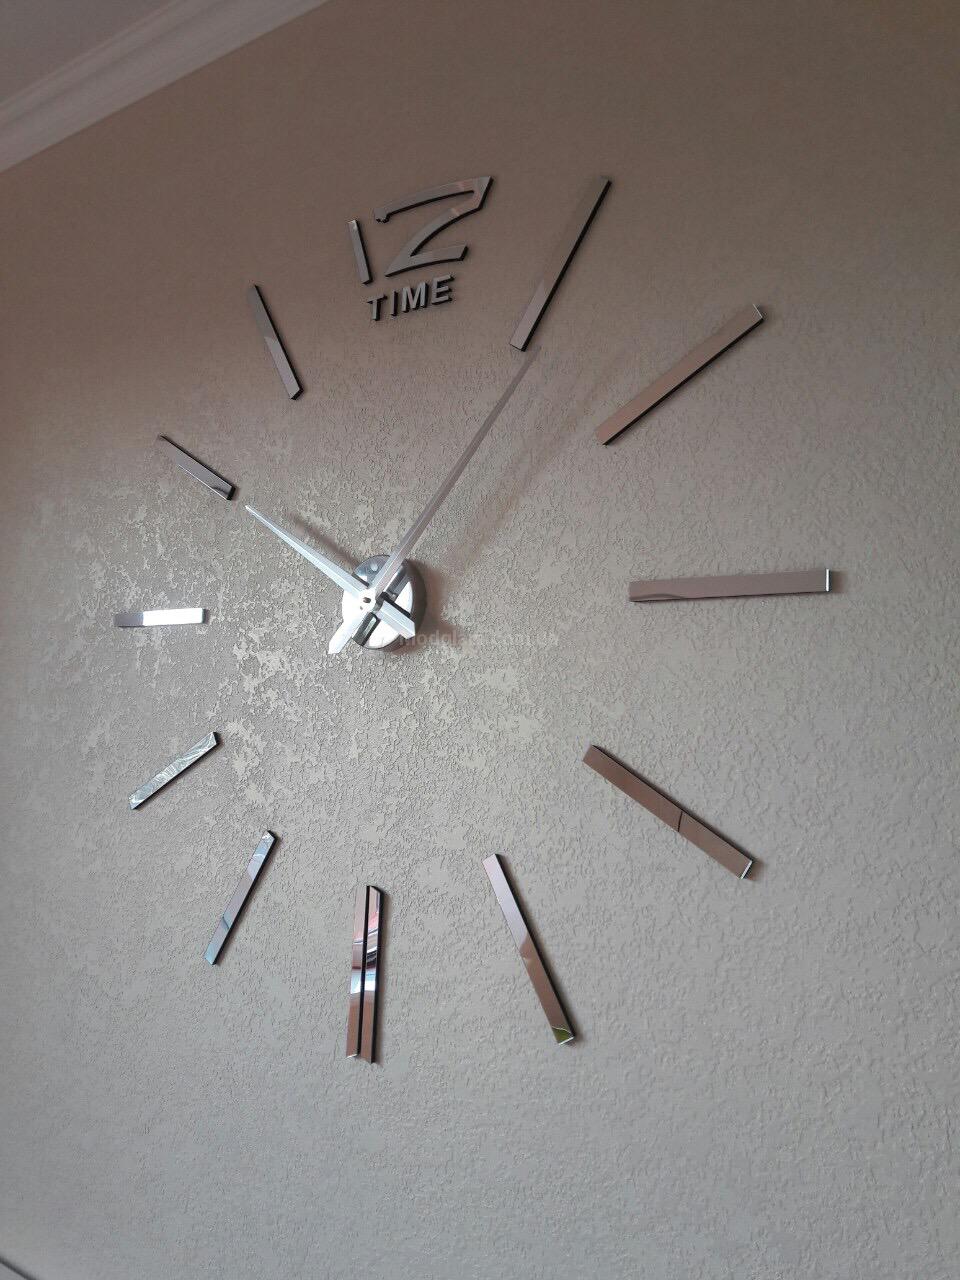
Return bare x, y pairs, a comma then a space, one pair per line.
9, 1272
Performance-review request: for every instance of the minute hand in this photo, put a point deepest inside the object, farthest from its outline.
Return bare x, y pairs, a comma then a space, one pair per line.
414, 533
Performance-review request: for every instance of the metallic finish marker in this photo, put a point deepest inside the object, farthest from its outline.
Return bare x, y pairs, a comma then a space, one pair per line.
663, 807
648, 590
235, 906
359, 251
371, 964
533, 963
364, 967
272, 340
175, 767
697, 359
408, 259
357, 956
559, 260
186, 462
160, 618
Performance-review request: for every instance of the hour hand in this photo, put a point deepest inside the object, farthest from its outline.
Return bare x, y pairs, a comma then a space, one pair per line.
345, 632
401, 622
344, 580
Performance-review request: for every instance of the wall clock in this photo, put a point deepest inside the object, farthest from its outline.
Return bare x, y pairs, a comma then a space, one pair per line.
378, 602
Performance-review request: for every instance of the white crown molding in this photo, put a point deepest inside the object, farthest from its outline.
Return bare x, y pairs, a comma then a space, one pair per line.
162, 47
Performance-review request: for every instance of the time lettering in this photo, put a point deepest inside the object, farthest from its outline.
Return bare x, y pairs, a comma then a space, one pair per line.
428, 293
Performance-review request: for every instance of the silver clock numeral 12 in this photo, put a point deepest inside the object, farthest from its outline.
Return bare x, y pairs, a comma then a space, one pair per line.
412, 256
408, 259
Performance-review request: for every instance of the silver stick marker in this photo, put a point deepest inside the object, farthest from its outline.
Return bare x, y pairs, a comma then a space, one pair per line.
697, 359
272, 340
559, 260
186, 462
663, 807
647, 590
364, 969
533, 963
160, 618
173, 769
235, 905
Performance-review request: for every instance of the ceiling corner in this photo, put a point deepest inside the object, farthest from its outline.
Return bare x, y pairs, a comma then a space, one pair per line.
150, 54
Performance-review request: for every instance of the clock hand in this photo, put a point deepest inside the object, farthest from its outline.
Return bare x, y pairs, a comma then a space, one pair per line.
414, 533
389, 613
345, 633
344, 579
391, 566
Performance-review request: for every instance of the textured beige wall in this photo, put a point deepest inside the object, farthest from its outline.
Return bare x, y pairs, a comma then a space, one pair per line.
767, 1077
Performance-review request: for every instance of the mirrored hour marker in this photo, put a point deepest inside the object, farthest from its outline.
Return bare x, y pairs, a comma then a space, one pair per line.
663, 807
359, 251
648, 590
357, 954
272, 340
533, 963
699, 358
235, 905
559, 260
160, 618
173, 769
365, 962
186, 462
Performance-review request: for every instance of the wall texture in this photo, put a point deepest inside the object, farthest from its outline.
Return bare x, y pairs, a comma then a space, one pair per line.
766, 1081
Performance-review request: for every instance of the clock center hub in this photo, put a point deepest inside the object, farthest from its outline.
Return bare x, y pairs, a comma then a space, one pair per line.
406, 591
